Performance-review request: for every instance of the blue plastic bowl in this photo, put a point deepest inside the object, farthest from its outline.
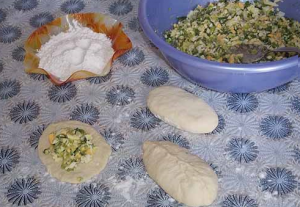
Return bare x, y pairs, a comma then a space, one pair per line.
157, 16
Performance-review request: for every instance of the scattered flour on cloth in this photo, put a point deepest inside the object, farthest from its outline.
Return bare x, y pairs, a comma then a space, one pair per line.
79, 48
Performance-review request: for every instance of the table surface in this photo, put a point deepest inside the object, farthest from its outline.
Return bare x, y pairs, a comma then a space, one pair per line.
255, 150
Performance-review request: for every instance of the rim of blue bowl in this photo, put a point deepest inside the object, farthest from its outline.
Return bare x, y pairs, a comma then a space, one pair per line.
195, 61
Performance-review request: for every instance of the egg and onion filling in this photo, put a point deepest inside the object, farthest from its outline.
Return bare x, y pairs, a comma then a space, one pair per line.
70, 147
209, 32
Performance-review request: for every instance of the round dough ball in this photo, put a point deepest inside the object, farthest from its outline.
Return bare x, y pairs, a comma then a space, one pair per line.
185, 177
83, 171
182, 109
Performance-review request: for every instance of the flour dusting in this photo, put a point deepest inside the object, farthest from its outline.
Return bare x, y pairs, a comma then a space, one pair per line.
262, 175
79, 48
130, 188
126, 187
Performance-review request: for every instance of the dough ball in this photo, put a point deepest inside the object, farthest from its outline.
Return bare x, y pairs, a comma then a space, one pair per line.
182, 109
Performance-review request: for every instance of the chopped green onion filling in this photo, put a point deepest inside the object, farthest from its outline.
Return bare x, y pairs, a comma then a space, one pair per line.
70, 147
209, 32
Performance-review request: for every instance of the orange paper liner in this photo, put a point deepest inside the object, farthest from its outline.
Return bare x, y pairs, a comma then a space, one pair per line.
97, 22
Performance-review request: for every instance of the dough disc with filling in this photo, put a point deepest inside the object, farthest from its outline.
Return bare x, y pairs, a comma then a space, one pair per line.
83, 170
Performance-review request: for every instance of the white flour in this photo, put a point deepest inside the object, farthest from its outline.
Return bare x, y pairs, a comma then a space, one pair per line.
79, 48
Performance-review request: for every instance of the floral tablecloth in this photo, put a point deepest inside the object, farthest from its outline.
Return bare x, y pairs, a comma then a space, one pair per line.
255, 150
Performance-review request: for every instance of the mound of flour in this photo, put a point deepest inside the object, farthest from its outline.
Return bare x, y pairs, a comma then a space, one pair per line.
79, 48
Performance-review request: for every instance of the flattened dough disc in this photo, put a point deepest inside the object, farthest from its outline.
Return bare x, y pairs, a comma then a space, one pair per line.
83, 170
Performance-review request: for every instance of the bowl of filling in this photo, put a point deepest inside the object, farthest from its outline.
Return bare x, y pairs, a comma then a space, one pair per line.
196, 37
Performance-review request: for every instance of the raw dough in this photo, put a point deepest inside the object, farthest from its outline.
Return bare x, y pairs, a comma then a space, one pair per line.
185, 177
182, 109
83, 170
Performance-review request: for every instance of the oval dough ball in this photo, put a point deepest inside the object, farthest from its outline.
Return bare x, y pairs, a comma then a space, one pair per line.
182, 109
185, 177
83, 170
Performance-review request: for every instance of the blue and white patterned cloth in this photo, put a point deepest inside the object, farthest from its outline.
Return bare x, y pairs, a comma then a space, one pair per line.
255, 150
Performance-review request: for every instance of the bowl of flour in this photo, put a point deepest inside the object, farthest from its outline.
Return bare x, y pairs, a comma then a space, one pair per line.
75, 46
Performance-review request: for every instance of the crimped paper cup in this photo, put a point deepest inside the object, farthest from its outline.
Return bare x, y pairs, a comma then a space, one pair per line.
97, 22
